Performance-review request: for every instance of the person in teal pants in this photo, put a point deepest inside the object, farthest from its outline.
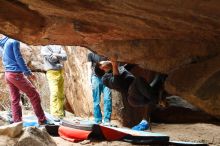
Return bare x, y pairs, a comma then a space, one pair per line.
97, 88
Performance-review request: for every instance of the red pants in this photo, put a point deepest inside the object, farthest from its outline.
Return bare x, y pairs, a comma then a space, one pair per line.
17, 82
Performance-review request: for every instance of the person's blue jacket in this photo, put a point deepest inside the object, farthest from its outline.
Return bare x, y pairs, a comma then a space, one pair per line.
12, 58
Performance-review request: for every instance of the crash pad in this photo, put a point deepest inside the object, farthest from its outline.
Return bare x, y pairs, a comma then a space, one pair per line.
112, 133
101, 132
182, 143
72, 134
52, 129
82, 125
31, 120
129, 135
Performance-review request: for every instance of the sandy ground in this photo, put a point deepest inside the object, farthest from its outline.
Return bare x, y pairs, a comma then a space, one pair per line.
205, 133
200, 132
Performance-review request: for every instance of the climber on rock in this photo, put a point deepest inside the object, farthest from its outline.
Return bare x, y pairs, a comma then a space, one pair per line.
137, 91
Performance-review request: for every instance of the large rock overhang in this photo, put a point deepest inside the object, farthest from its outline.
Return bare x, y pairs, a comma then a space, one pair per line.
179, 37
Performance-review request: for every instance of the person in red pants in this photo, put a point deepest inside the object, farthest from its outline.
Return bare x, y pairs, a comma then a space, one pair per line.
18, 77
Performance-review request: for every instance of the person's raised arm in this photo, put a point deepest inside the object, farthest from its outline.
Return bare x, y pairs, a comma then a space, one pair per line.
114, 65
115, 68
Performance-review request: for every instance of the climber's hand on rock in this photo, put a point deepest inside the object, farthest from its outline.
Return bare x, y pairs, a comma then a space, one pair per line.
114, 58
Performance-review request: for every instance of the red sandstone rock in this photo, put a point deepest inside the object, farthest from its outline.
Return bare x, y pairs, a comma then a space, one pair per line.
176, 37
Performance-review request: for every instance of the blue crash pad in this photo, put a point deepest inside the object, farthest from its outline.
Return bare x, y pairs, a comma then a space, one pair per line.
31, 120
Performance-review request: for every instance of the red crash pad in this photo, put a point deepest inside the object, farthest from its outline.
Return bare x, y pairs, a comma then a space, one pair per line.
73, 131
76, 132
73, 135
112, 134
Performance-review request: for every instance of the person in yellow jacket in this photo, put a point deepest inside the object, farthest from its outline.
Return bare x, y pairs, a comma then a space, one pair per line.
54, 55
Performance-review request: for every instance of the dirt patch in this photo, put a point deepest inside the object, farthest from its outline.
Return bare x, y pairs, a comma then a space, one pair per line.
205, 133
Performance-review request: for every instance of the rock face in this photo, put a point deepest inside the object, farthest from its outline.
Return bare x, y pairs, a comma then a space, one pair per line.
179, 37
180, 111
77, 82
5, 101
199, 84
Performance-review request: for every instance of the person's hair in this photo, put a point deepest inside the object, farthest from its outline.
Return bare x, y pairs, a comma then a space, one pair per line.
99, 72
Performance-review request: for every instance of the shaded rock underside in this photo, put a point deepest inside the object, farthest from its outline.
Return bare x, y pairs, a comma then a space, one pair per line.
178, 37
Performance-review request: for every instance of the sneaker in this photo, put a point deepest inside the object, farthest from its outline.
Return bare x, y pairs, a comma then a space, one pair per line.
97, 122
143, 125
45, 122
9, 117
106, 124
57, 118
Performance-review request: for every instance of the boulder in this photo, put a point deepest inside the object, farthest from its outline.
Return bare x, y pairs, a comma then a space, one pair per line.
170, 37
198, 83
12, 130
179, 110
4, 92
35, 137
5, 140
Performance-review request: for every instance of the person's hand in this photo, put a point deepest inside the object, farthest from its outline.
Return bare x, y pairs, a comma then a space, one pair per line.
54, 57
104, 62
31, 77
56, 54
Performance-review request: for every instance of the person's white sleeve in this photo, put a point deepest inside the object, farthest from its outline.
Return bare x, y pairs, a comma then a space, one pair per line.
48, 54
62, 55
45, 51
